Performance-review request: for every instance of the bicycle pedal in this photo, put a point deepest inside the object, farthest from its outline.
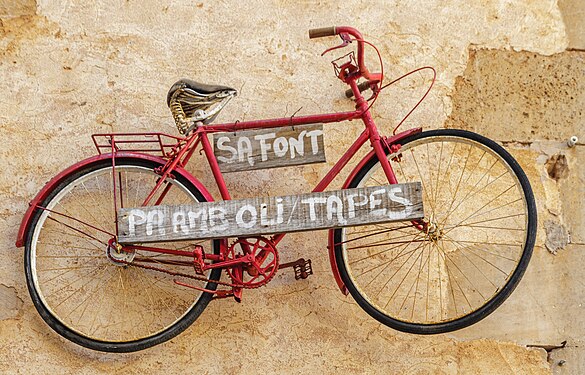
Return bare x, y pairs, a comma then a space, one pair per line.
301, 267
198, 268
198, 262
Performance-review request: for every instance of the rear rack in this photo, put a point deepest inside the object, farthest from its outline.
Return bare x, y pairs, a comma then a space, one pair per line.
160, 144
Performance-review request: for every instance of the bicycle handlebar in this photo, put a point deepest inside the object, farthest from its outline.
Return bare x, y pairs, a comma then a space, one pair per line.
322, 32
340, 30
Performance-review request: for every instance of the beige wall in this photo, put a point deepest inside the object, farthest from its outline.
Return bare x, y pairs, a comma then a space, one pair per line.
73, 68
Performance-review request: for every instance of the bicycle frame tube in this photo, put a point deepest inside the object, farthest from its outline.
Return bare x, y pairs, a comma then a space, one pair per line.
285, 121
200, 135
362, 111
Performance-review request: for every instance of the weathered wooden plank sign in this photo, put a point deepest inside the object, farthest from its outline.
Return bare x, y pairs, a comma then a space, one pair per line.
267, 215
269, 148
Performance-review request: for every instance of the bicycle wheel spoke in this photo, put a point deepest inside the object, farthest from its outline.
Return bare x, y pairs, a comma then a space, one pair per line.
487, 227
460, 246
445, 258
99, 207
502, 206
438, 173
458, 182
417, 280
78, 230
404, 278
67, 285
83, 302
486, 251
379, 242
464, 249
389, 249
96, 290
485, 205
465, 198
70, 236
420, 175
389, 263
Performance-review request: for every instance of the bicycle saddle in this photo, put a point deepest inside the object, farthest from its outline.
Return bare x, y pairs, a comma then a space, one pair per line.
200, 88
191, 102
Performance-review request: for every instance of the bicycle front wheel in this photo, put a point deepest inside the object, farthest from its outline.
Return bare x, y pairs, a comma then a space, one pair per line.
75, 278
475, 244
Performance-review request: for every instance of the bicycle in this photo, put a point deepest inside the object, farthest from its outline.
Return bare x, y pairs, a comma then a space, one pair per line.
428, 276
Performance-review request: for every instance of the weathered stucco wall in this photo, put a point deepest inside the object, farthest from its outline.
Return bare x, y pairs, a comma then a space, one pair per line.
74, 68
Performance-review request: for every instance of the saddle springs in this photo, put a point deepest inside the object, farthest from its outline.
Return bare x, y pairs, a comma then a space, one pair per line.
191, 102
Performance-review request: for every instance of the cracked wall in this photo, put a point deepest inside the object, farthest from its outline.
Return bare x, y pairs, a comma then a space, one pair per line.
75, 68
533, 104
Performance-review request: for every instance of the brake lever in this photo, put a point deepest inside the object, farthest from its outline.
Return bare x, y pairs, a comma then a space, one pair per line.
346, 40
375, 91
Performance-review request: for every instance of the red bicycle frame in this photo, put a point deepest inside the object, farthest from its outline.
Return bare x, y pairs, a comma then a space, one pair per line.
200, 137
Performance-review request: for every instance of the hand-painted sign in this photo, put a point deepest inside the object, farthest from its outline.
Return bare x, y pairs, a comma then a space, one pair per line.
266, 215
262, 149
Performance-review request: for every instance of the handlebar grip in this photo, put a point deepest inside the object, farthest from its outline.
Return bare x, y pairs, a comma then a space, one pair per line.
320, 33
362, 87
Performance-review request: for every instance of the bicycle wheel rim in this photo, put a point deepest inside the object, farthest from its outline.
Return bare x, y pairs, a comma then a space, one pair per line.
181, 305
403, 314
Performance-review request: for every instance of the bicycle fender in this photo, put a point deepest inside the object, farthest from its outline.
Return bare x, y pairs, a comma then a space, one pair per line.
332, 259
49, 186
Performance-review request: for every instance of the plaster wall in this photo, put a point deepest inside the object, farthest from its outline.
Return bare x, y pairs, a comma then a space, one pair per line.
74, 68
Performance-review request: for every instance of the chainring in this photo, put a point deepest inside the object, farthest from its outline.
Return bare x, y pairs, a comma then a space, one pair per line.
261, 265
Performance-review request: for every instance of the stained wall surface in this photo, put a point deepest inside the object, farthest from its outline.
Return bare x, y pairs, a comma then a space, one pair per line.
70, 69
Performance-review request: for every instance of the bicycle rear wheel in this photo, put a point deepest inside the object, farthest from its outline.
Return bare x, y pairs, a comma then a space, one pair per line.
480, 227
86, 296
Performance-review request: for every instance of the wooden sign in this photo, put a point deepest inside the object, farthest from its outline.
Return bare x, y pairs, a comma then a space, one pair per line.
267, 215
269, 148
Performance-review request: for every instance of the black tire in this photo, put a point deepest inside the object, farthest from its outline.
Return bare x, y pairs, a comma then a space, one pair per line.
123, 293
504, 243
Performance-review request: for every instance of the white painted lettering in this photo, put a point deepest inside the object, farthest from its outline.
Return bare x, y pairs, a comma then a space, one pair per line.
240, 216
352, 204
279, 211
297, 145
136, 217
219, 214
311, 202
150, 222
230, 149
393, 197
335, 206
280, 146
264, 147
245, 147
314, 134
179, 222
374, 202
200, 215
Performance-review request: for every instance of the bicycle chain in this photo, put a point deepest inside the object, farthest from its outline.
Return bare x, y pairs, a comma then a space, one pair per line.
172, 273
195, 277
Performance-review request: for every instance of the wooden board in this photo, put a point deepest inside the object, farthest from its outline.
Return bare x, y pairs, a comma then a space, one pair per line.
269, 148
267, 215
